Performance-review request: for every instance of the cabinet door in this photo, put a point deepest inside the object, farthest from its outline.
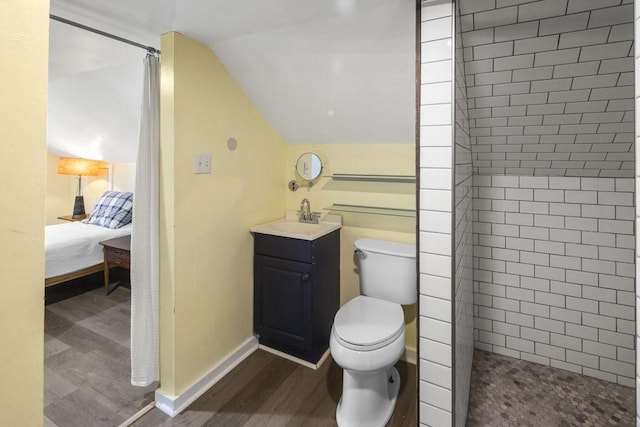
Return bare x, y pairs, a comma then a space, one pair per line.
282, 303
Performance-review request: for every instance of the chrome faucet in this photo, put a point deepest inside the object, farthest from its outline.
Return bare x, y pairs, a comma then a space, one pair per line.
305, 212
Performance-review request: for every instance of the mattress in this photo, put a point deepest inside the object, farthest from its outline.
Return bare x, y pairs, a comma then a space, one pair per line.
73, 246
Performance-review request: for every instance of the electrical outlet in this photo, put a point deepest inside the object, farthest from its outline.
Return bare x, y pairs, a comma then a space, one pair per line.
202, 163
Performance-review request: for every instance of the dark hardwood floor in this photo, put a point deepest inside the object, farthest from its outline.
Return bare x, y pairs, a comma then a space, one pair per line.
269, 391
87, 357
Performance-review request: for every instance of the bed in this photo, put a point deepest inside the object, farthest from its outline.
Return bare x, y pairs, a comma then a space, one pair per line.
72, 249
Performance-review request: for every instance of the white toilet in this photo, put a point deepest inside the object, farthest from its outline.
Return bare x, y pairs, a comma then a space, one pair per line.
367, 337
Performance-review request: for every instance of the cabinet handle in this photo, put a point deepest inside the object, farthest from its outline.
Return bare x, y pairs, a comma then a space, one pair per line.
118, 261
305, 277
118, 252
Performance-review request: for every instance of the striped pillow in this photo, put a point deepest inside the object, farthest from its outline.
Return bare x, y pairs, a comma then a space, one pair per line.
113, 210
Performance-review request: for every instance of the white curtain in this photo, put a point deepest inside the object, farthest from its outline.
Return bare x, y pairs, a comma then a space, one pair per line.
144, 236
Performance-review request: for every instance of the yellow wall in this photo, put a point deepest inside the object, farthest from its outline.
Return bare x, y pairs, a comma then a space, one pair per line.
371, 159
23, 96
206, 253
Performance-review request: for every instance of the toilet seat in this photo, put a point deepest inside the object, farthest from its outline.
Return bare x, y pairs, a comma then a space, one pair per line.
366, 323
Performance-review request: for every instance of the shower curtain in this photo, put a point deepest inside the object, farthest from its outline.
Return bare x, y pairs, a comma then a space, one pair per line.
144, 236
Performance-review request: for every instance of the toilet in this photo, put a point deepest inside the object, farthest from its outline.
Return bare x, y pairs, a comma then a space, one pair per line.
367, 337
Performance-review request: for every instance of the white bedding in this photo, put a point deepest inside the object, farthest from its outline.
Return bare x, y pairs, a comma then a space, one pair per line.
73, 246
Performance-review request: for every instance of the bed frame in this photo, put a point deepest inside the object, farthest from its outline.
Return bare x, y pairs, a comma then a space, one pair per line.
73, 275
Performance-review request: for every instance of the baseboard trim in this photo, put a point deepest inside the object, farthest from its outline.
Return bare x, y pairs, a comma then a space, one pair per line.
314, 366
172, 406
410, 355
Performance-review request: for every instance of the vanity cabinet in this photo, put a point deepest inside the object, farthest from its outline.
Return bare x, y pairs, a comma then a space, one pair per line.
296, 292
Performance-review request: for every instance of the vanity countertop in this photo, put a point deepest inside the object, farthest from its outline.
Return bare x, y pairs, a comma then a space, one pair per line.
289, 226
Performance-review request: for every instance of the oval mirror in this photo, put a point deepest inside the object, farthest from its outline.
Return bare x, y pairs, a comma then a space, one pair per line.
309, 166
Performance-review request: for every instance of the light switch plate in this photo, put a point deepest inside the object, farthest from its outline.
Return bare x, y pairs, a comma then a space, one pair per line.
202, 163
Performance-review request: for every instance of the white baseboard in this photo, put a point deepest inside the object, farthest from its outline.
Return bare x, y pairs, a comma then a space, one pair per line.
172, 406
410, 355
304, 363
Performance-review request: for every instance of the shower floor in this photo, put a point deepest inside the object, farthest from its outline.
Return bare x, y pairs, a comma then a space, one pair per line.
511, 392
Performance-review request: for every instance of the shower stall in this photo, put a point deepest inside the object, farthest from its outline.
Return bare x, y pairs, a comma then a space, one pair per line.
526, 191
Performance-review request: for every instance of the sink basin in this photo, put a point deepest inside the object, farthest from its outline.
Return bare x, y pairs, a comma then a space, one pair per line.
297, 227
289, 226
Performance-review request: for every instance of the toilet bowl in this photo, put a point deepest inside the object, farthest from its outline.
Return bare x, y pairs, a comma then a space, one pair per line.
367, 337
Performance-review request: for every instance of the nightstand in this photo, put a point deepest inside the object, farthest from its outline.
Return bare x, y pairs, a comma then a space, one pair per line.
71, 218
117, 253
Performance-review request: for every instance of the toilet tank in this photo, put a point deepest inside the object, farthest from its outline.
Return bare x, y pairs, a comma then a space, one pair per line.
387, 270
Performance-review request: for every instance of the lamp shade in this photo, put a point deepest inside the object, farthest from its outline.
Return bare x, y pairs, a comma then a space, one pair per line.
82, 167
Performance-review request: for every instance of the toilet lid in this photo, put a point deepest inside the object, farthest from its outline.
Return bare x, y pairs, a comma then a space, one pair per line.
368, 322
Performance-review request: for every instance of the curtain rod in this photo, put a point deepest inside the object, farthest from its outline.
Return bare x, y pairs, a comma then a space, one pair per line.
149, 49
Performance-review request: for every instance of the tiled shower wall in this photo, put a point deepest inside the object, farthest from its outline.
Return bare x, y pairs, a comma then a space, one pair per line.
637, 182
550, 86
554, 277
435, 215
463, 233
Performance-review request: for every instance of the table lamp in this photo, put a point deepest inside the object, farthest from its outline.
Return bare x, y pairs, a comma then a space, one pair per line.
80, 167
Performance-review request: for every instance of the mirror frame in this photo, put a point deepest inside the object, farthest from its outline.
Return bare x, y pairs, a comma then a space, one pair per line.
300, 164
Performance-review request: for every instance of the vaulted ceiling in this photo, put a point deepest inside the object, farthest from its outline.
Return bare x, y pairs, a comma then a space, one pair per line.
340, 71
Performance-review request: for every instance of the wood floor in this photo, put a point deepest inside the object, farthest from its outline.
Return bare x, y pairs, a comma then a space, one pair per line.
87, 359
269, 391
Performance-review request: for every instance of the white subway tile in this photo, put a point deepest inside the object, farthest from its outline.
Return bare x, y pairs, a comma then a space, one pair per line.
436, 136
597, 321
534, 310
519, 319
436, 352
435, 265
616, 339
617, 310
435, 373
582, 5
437, 50
559, 313
535, 358
435, 115
536, 44
476, 6
611, 16
541, 9
435, 330
435, 93
584, 38
550, 351
520, 344
582, 359
516, 31
435, 396
475, 38
599, 374
605, 51
549, 325
618, 367
436, 29
495, 50
563, 24
581, 331
440, 71
582, 277
496, 17
437, 200
436, 9
564, 288
439, 287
